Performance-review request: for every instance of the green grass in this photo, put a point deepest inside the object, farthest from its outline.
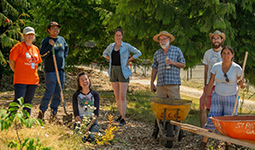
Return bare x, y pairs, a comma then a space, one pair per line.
139, 107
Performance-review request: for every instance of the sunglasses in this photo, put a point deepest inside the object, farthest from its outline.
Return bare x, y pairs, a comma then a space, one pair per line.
226, 76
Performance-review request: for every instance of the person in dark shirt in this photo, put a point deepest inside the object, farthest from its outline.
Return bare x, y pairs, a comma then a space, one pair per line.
119, 72
52, 87
86, 104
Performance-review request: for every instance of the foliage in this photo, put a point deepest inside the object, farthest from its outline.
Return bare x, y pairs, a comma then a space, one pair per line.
87, 26
109, 136
190, 21
81, 26
17, 117
12, 19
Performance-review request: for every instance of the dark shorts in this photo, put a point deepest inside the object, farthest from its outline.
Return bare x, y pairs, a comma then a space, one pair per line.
117, 75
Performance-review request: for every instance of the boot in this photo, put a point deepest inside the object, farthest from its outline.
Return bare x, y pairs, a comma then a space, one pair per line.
53, 118
40, 115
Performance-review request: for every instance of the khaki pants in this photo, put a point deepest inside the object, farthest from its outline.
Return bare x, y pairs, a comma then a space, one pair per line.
169, 91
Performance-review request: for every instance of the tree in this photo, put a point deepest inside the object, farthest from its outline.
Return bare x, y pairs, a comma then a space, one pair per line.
12, 18
190, 21
80, 25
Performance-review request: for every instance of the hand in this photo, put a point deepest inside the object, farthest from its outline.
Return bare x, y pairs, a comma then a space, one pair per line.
242, 84
51, 42
169, 61
128, 62
87, 130
153, 88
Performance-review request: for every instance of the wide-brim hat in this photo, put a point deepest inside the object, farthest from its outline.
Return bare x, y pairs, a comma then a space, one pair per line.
217, 32
155, 38
28, 30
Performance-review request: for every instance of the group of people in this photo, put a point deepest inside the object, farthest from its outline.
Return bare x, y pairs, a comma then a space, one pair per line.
24, 59
221, 75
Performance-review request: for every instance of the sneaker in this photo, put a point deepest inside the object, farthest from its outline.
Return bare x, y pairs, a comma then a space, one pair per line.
122, 122
118, 120
40, 115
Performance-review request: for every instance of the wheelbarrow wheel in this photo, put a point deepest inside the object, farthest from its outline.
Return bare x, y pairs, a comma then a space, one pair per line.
170, 133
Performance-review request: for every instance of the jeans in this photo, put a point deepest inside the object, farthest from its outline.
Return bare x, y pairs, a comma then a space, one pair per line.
27, 92
93, 129
52, 91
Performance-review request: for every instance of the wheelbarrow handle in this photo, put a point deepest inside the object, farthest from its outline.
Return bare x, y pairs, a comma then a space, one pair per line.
59, 83
244, 63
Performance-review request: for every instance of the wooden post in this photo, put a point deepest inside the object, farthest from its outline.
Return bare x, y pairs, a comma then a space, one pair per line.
188, 74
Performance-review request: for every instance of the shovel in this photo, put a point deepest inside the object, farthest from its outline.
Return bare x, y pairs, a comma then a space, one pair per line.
68, 117
244, 63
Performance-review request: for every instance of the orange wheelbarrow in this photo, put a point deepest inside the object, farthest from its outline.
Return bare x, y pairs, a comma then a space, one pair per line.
166, 109
240, 127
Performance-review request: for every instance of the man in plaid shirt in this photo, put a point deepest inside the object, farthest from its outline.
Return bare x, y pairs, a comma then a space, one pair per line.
166, 64
168, 80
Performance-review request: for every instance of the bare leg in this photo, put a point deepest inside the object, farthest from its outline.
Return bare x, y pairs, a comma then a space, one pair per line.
123, 92
116, 89
203, 117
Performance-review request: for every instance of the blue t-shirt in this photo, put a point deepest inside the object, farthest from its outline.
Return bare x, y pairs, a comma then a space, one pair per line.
61, 50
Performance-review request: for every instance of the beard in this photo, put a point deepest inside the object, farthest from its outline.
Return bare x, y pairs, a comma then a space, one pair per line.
164, 45
218, 45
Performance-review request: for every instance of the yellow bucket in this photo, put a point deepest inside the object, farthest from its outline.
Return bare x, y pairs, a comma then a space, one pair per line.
158, 105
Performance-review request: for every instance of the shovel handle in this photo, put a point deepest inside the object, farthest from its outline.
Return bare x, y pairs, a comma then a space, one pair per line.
59, 83
244, 63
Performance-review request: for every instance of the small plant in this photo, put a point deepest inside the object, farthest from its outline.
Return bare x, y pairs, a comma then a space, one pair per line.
109, 136
211, 145
16, 117
87, 118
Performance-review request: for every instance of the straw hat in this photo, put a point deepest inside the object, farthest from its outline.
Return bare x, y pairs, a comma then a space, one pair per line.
155, 38
217, 32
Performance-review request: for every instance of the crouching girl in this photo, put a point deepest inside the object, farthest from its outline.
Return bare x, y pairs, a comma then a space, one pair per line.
86, 107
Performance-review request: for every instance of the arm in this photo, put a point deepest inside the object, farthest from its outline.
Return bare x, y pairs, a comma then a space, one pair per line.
154, 73
46, 47
66, 49
96, 112
129, 60
136, 52
107, 57
12, 64
205, 74
107, 51
75, 108
180, 63
91, 123
208, 89
177, 64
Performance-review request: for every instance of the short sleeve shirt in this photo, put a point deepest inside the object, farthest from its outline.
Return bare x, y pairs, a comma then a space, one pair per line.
26, 60
210, 58
172, 75
222, 87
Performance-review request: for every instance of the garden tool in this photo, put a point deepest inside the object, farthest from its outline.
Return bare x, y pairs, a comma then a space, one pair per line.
68, 117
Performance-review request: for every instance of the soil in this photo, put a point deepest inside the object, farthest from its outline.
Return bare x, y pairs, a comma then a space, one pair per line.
135, 135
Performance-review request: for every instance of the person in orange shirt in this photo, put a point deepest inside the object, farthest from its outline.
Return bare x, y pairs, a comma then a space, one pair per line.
24, 59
